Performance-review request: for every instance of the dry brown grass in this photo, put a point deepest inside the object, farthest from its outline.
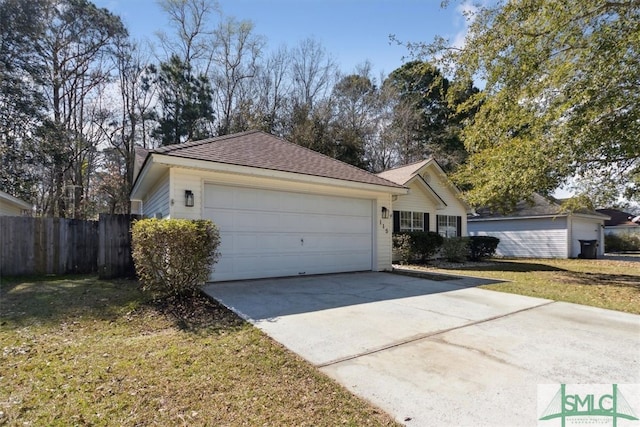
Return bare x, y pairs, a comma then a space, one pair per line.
78, 351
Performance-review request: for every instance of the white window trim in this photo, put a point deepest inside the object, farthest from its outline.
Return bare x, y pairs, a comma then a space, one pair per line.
416, 219
448, 226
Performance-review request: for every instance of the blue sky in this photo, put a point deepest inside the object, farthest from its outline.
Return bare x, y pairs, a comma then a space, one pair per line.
352, 31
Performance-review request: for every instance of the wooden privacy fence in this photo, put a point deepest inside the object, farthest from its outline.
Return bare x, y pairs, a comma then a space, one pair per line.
64, 246
114, 250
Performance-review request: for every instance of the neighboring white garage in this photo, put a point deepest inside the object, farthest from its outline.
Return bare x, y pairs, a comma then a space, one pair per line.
266, 233
540, 230
12, 206
282, 210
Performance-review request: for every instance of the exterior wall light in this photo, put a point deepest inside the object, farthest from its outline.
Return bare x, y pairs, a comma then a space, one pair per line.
188, 198
385, 213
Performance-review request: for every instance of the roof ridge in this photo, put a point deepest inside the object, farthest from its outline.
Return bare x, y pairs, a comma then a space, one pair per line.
277, 153
324, 155
189, 144
410, 164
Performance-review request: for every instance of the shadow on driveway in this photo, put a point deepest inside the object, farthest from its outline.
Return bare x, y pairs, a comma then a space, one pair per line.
271, 298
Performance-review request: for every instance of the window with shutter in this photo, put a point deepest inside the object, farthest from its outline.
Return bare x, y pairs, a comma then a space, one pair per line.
411, 221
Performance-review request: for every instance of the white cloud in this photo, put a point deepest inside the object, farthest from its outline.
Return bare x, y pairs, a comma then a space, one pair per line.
466, 13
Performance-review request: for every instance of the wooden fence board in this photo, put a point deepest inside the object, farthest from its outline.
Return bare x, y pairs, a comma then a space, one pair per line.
114, 250
63, 246
47, 246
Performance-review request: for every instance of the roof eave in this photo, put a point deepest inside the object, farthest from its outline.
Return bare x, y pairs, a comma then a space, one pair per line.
558, 215
15, 201
152, 169
428, 189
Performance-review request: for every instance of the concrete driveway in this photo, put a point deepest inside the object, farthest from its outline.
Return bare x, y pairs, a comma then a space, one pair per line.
442, 352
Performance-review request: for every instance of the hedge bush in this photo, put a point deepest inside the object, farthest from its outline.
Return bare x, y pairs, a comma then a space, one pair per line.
455, 249
174, 256
402, 246
417, 245
621, 242
482, 247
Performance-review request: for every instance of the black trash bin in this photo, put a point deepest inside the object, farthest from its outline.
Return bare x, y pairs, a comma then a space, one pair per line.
588, 249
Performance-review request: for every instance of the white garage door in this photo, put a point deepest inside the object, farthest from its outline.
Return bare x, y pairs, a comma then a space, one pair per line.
267, 233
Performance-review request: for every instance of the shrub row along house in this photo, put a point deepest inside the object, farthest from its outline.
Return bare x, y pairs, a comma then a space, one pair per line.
285, 210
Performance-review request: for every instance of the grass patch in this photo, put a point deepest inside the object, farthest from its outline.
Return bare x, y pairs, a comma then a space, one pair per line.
601, 283
80, 351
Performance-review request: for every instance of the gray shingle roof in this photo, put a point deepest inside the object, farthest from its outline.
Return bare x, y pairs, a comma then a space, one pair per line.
618, 217
261, 150
403, 174
539, 206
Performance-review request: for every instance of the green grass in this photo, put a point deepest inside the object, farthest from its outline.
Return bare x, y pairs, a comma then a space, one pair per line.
601, 283
80, 351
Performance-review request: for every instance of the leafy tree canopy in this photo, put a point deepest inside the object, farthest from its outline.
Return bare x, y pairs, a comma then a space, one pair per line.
436, 125
561, 98
185, 102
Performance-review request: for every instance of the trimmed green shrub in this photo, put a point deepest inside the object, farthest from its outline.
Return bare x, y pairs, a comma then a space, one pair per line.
402, 246
422, 244
482, 247
621, 242
174, 256
455, 249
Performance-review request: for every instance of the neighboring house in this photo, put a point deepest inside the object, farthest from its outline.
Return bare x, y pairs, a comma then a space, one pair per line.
433, 202
282, 209
12, 206
540, 230
620, 222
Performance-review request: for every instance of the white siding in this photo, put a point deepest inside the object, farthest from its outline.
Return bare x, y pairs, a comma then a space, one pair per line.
585, 229
526, 237
419, 200
157, 201
415, 201
7, 209
194, 180
382, 231
443, 187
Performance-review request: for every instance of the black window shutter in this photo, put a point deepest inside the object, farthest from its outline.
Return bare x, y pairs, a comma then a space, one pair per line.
459, 226
396, 221
438, 224
426, 221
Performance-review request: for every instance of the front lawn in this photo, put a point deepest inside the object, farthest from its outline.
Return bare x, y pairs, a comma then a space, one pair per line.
600, 283
80, 351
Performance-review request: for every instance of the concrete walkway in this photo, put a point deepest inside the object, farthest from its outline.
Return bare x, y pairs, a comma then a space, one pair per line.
441, 352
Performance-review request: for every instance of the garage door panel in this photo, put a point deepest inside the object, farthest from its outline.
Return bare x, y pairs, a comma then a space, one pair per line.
256, 221
222, 198
248, 243
223, 219
267, 233
339, 242
249, 200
